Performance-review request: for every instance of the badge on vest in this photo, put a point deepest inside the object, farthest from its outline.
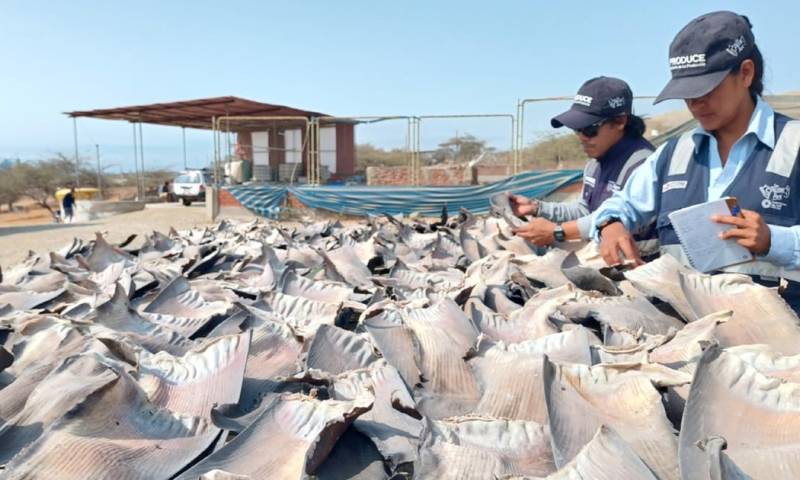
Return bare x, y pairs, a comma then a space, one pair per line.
674, 185
774, 196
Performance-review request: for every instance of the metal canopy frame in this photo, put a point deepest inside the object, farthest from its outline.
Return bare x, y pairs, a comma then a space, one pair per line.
417, 166
369, 119
193, 113
199, 114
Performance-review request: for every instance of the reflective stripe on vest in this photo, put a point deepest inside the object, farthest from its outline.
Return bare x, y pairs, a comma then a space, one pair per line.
781, 162
786, 150
682, 155
633, 161
592, 166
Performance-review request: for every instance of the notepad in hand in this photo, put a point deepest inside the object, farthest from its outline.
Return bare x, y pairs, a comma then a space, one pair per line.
699, 236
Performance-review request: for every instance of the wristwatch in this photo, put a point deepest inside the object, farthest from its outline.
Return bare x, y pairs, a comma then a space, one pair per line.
558, 233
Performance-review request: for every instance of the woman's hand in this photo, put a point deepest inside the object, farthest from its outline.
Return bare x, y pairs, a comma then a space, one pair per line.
538, 231
522, 206
751, 232
615, 238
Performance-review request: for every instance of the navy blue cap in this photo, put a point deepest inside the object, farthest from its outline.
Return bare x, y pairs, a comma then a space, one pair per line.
704, 52
597, 99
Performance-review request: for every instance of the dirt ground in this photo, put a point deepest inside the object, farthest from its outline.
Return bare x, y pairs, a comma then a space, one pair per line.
43, 236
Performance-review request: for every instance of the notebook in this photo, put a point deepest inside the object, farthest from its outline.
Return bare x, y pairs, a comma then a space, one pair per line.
699, 236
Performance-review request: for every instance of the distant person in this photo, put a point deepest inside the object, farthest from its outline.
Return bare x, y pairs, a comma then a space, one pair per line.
163, 191
612, 136
68, 205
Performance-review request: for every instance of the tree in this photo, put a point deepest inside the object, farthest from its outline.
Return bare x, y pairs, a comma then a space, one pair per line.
461, 149
554, 151
39, 181
10, 186
368, 155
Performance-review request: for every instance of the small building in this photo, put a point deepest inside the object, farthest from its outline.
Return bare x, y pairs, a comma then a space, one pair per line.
274, 140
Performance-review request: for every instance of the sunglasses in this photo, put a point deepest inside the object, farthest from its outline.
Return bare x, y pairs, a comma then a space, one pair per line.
592, 130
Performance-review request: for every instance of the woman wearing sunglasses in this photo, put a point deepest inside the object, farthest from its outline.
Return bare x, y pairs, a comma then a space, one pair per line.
611, 136
741, 148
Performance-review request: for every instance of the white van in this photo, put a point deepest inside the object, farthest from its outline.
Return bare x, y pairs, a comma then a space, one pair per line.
190, 186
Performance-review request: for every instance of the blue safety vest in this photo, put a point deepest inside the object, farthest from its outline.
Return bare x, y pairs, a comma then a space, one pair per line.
768, 183
601, 180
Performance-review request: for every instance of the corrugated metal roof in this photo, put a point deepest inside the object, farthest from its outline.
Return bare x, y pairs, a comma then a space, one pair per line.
194, 113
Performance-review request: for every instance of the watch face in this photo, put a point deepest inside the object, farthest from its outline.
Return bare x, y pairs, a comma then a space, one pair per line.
559, 233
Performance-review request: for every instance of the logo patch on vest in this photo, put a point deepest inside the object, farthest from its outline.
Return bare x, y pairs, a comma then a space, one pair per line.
674, 185
774, 196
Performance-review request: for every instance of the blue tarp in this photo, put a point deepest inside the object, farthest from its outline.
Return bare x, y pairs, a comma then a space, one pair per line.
263, 199
362, 200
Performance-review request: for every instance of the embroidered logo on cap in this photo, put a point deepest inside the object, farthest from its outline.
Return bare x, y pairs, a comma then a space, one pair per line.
774, 196
584, 100
616, 102
687, 61
737, 46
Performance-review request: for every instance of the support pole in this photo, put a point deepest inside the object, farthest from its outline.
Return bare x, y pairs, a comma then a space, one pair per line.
136, 164
513, 145
419, 150
77, 158
141, 157
185, 162
99, 170
216, 150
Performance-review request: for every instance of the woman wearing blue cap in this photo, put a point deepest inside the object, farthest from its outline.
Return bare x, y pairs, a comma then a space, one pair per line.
611, 136
741, 148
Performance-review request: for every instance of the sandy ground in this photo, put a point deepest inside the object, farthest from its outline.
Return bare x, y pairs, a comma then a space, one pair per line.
17, 239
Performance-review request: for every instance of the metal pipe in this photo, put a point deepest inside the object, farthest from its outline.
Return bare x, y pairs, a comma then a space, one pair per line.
216, 152
520, 134
372, 119
141, 156
409, 152
418, 151
77, 158
99, 170
317, 152
475, 115
316, 159
136, 164
185, 162
513, 152
228, 148
311, 170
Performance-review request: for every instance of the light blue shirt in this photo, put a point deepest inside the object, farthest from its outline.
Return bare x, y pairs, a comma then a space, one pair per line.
637, 202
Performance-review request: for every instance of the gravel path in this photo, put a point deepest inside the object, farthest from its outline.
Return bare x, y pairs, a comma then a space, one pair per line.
17, 240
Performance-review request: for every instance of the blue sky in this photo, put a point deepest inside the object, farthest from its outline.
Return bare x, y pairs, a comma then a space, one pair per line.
339, 57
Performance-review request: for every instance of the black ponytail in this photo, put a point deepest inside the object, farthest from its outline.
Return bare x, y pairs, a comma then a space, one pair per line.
757, 87
634, 127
